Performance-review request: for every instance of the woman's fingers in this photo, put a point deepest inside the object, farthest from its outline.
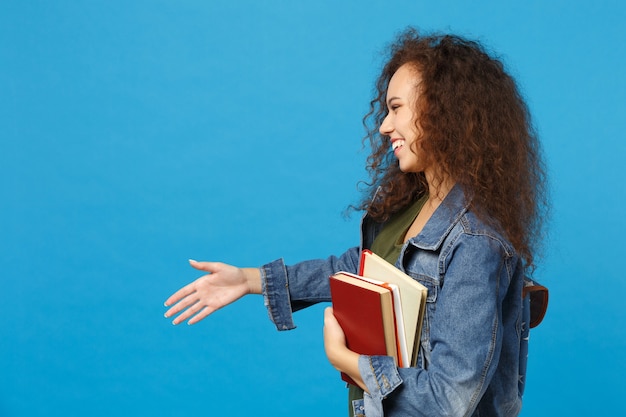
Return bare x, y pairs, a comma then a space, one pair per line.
180, 294
210, 267
188, 313
193, 309
203, 313
328, 313
182, 304
221, 286
192, 287
329, 318
333, 333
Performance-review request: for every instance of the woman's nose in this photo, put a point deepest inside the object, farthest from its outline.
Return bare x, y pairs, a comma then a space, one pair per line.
386, 127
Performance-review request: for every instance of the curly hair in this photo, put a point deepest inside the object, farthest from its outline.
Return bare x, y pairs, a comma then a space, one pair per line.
474, 125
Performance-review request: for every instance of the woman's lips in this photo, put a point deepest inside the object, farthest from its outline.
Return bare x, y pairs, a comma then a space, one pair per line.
396, 144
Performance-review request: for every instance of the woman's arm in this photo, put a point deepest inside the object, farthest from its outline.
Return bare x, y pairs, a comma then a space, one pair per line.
290, 288
286, 288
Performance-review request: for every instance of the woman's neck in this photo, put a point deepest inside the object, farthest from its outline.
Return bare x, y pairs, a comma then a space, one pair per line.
438, 187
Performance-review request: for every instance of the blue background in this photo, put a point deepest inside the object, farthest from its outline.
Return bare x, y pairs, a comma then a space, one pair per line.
135, 135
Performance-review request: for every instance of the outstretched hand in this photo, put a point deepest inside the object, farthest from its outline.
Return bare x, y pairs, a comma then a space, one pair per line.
222, 285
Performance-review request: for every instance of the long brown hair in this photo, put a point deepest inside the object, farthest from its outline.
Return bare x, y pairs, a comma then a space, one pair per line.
474, 125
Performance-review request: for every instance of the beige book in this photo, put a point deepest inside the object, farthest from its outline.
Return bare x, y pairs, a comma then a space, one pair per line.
412, 297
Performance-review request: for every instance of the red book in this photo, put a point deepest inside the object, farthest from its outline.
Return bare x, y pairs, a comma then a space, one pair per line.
365, 312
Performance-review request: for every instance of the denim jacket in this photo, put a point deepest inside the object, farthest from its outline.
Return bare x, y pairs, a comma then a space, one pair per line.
472, 359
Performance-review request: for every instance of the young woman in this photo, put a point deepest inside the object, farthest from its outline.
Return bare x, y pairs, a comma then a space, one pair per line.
455, 202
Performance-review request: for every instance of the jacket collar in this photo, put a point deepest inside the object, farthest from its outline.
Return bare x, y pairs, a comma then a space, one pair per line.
447, 215
436, 229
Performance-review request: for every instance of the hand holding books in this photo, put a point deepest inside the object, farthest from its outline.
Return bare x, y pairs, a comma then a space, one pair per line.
339, 355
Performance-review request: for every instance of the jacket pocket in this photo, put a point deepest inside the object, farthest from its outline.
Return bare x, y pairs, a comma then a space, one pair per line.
358, 408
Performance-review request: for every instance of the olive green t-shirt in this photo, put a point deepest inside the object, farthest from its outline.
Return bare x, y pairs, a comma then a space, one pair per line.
387, 245
390, 240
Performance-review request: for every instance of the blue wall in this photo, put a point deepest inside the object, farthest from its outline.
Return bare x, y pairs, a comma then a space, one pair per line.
135, 135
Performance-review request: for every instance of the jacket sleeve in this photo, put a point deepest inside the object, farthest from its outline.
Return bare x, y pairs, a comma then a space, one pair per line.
465, 340
287, 289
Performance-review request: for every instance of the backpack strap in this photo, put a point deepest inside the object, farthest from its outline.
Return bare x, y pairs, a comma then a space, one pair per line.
538, 295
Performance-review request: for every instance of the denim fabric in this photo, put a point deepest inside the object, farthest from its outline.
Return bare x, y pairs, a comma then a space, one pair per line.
287, 289
472, 357
358, 408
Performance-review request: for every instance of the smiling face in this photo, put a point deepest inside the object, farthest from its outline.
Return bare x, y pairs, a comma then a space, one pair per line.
400, 123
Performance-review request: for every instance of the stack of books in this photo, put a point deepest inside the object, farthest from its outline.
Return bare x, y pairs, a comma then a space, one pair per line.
380, 310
